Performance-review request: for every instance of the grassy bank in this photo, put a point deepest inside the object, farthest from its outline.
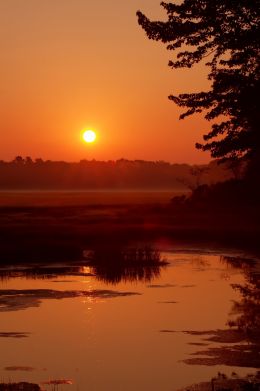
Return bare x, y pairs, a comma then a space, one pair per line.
60, 232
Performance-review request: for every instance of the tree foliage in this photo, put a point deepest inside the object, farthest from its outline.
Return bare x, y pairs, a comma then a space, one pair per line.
225, 34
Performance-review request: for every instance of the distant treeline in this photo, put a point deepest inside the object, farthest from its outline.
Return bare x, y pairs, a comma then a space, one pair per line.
25, 173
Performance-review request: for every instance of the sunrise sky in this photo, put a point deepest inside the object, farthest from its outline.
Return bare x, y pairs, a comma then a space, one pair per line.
70, 65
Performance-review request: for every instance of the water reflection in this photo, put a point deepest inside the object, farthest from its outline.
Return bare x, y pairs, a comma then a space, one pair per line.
108, 264
244, 324
20, 368
117, 273
19, 299
57, 382
114, 254
147, 326
161, 286
43, 272
246, 312
234, 349
14, 334
114, 264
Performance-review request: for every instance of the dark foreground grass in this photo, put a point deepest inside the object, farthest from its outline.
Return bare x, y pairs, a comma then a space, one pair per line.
64, 232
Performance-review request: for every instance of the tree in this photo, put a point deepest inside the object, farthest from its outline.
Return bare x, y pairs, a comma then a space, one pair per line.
18, 160
226, 32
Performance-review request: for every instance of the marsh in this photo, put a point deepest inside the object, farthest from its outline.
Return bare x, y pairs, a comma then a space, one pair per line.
76, 322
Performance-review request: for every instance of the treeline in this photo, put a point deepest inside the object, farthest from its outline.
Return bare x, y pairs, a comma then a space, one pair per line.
26, 173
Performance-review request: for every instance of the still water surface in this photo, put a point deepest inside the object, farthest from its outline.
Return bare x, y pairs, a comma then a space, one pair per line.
144, 332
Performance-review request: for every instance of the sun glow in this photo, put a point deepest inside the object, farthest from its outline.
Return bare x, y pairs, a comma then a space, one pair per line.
89, 136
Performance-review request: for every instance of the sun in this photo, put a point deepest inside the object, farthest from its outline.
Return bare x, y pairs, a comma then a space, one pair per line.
89, 136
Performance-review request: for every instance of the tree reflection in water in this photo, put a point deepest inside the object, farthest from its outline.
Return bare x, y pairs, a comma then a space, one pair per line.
247, 310
244, 324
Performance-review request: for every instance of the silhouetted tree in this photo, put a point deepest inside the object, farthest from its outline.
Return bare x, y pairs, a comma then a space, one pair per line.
19, 160
28, 160
39, 161
194, 180
227, 32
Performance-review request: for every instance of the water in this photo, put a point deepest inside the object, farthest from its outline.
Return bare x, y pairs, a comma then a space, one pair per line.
102, 330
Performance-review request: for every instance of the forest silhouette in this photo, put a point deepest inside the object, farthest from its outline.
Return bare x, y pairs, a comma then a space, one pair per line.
25, 173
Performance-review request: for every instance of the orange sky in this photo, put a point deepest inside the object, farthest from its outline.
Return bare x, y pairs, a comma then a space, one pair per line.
69, 65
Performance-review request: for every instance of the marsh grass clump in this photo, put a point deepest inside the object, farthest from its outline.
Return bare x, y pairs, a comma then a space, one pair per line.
113, 264
140, 256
